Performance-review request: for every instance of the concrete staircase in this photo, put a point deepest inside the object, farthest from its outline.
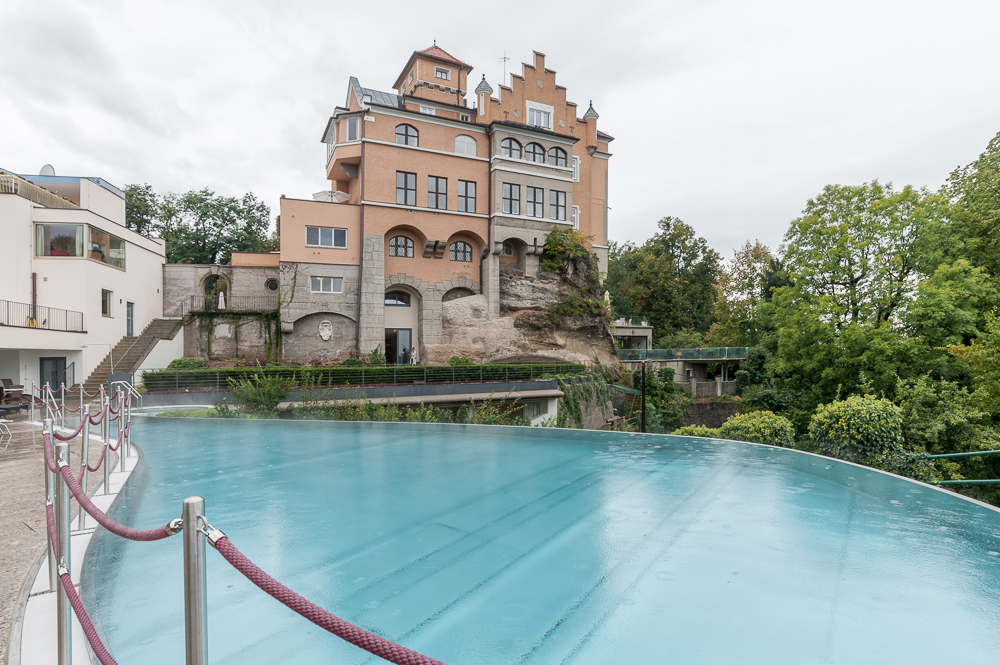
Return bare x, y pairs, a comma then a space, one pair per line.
129, 352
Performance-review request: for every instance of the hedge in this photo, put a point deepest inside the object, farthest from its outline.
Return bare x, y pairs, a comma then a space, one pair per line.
759, 427
858, 429
169, 379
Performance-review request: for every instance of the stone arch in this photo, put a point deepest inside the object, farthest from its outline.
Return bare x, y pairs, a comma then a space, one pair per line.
428, 310
456, 293
418, 237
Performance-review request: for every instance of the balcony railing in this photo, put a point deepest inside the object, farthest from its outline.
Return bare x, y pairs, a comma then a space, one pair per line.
713, 353
234, 304
23, 315
632, 322
13, 184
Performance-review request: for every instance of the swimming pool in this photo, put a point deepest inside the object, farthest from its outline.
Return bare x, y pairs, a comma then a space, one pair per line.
504, 545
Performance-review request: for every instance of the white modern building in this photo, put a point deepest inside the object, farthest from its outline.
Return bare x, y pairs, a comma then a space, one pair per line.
74, 281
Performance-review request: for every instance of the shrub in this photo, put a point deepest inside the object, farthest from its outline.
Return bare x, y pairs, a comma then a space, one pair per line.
696, 430
187, 363
759, 427
259, 393
458, 361
858, 429
376, 357
353, 362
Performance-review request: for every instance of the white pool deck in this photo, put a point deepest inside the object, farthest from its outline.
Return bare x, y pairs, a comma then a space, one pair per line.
35, 629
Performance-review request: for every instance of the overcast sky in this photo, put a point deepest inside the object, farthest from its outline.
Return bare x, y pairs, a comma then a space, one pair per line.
727, 114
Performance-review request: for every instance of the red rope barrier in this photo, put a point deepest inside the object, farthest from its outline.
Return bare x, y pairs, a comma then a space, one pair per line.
74, 598
100, 460
68, 437
100, 418
127, 532
381, 647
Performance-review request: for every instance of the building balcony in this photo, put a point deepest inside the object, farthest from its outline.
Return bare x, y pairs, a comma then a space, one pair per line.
13, 184
23, 315
227, 304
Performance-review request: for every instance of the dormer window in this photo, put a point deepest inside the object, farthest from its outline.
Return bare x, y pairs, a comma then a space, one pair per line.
539, 118
442, 73
427, 110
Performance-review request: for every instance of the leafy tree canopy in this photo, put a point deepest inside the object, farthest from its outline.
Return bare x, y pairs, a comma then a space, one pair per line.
198, 226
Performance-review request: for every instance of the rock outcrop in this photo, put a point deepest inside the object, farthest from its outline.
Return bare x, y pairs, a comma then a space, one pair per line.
527, 329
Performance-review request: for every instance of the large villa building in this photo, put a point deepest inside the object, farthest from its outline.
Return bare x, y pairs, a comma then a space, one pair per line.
435, 189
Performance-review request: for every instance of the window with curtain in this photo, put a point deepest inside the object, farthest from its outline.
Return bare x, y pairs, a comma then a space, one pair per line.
59, 240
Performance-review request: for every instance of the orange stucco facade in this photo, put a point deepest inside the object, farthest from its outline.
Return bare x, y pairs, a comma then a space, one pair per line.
416, 204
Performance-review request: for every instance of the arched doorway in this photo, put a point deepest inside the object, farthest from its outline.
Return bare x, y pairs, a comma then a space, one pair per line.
216, 293
402, 317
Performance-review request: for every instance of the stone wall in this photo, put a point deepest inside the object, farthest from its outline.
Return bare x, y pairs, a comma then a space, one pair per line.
304, 335
228, 336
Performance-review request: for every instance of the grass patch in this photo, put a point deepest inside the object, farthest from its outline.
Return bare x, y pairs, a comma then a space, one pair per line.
185, 413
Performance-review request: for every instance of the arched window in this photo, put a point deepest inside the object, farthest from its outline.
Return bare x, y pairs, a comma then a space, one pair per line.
508, 248
461, 251
406, 135
397, 299
465, 145
510, 148
401, 247
557, 157
535, 153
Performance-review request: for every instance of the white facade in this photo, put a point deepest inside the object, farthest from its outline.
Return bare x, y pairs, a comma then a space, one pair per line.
74, 279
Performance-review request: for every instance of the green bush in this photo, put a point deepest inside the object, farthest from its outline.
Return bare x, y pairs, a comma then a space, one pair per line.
458, 360
376, 357
259, 394
187, 363
353, 362
759, 427
696, 430
866, 430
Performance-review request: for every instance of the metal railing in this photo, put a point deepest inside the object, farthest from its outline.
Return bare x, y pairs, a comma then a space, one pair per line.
632, 322
137, 359
14, 184
712, 353
234, 304
154, 380
23, 315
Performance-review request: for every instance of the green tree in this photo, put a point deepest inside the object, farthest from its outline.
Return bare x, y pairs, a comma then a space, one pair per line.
741, 285
200, 227
670, 280
974, 229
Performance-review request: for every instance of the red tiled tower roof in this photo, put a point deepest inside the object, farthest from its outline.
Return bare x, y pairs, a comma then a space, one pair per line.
436, 51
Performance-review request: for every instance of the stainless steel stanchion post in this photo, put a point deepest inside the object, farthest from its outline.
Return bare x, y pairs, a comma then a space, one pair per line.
64, 626
107, 449
46, 391
81, 398
195, 583
62, 405
128, 423
32, 401
84, 459
50, 498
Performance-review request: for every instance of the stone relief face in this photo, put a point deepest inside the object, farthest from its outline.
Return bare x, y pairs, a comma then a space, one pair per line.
325, 330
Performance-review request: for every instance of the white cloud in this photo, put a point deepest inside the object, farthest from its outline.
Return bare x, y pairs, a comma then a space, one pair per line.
728, 114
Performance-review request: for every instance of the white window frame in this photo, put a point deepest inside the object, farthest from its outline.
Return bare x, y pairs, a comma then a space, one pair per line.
576, 218
439, 70
543, 108
336, 284
353, 131
576, 169
428, 110
333, 237
464, 117
465, 145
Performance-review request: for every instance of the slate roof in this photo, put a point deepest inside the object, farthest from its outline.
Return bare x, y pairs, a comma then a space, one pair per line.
379, 98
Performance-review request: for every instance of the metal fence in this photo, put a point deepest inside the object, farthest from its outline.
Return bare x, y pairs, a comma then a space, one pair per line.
164, 380
23, 315
712, 353
234, 304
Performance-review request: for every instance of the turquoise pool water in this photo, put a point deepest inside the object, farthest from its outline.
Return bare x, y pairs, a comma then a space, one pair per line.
487, 546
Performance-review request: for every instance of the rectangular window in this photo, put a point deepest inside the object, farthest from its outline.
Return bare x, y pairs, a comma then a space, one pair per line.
437, 192
327, 284
324, 236
106, 248
409, 79
442, 73
58, 239
538, 118
576, 218
466, 196
352, 129
464, 117
576, 169
557, 205
406, 188
511, 199
107, 303
534, 409
536, 200
427, 110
